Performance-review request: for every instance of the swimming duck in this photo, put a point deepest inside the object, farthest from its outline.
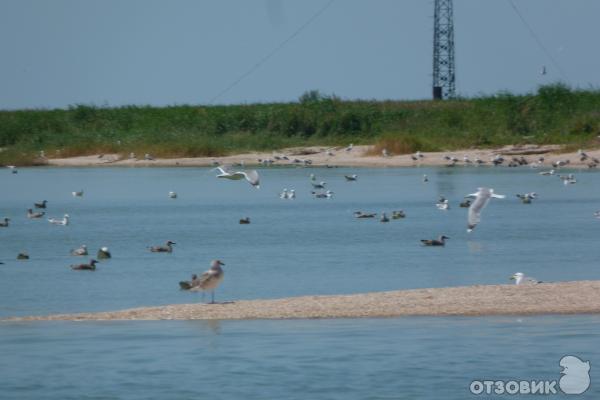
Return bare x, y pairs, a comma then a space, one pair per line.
5, 223
23, 256
441, 241
32, 215
245, 221
85, 267
167, 248
40, 205
398, 214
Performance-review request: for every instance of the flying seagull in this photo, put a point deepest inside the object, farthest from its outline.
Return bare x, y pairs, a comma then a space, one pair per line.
228, 173
482, 197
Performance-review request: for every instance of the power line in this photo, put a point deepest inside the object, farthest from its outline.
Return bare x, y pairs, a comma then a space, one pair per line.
538, 41
273, 52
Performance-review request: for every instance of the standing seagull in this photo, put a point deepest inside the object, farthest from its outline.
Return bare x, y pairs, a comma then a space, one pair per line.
210, 279
227, 173
521, 279
482, 197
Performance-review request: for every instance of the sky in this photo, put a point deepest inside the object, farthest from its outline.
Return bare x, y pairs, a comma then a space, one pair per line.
156, 52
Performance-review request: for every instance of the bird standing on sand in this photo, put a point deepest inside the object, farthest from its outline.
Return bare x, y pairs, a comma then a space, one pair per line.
227, 173
482, 197
209, 280
441, 241
167, 248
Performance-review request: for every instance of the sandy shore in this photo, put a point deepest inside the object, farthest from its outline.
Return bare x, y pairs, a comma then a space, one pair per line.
319, 157
578, 297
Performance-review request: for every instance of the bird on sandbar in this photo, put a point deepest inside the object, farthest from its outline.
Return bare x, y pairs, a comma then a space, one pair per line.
521, 279
167, 248
226, 172
208, 280
441, 241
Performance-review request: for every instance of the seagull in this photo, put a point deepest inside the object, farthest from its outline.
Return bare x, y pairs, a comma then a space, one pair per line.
103, 253
291, 194
87, 267
482, 197
568, 179
441, 241
350, 178
12, 168
398, 214
283, 194
384, 218
78, 194
527, 197
40, 205
245, 221
466, 160
227, 173
167, 248
313, 177
597, 214
320, 185
187, 285
327, 195
546, 173
63, 221
385, 153
81, 251
425, 178
31, 214
521, 279
465, 204
172, 195
442, 204
22, 256
209, 280
349, 148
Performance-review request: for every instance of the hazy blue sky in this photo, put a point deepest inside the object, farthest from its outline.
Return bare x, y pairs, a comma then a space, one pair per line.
115, 52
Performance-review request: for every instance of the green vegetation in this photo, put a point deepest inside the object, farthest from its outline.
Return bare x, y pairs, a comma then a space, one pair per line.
554, 114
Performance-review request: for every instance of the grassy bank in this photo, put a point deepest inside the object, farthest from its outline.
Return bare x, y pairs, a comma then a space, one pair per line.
554, 114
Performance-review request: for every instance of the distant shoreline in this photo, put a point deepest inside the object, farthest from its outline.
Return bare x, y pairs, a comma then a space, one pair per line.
318, 156
576, 297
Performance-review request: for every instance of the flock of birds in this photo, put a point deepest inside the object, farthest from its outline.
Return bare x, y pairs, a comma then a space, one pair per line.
210, 279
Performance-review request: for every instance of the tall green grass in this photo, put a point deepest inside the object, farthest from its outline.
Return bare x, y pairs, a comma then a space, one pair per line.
554, 114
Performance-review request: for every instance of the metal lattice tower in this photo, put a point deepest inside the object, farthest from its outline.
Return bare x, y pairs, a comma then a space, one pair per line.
443, 50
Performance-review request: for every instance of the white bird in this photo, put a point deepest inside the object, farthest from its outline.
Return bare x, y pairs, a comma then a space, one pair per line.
442, 204
349, 148
283, 194
482, 197
12, 168
546, 173
291, 194
313, 177
81, 251
172, 195
597, 214
425, 178
77, 194
63, 221
352, 177
385, 153
327, 195
521, 279
209, 280
320, 185
227, 173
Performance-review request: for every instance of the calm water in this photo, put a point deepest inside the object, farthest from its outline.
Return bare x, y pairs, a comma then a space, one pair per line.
306, 246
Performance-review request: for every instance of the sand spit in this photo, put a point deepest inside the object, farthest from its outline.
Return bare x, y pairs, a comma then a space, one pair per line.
577, 297
319, 157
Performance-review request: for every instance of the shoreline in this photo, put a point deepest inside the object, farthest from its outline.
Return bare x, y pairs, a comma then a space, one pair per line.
319, 156
576, 297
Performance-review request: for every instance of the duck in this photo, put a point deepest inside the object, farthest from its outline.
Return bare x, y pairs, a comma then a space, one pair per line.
465, 204
441, 241
384, 218
167, 248
398, 214
31, 214
5, 223
85, 267
22, 256
245, 221
103, 253
187, 285
360, 214
40, 205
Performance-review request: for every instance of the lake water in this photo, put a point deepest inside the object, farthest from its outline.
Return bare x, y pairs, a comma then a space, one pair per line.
300, 247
